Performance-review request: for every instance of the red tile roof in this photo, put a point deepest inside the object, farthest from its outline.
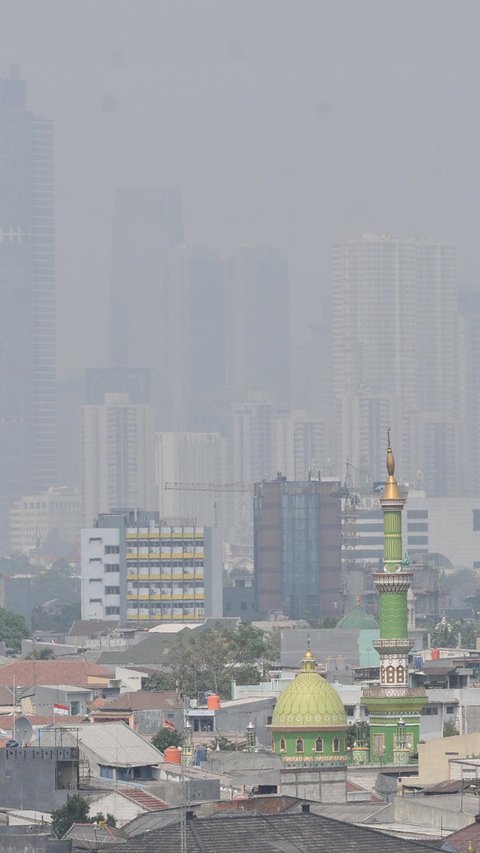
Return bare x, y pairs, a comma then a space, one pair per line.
147, 801
76, 673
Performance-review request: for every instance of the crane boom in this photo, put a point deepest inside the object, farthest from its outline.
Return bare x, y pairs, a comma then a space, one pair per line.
210, 487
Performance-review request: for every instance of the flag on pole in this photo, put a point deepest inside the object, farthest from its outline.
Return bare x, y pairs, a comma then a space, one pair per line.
167, 724
63, 710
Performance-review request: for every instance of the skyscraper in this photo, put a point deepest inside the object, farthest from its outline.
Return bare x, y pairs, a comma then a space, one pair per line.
258, 357
394, 350
118, 456
28, 453
147, 223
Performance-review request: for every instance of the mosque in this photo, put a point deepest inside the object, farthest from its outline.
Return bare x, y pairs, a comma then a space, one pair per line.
309, 725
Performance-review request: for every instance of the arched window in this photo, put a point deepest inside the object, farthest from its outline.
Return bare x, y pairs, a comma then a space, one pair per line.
390, 674
319, 745
400, 674
299, 744
336, 744
283, 745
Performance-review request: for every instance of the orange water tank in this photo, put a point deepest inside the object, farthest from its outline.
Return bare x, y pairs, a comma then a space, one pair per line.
435, 654
173, 754
213, 702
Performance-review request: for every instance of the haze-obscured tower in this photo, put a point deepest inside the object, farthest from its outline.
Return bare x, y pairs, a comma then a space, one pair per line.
258, 356
28, 429
147, 223
395, 355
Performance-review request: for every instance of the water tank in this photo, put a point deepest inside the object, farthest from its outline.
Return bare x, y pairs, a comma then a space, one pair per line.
418, 662
173, 754
200, 754
435, 654
213, 702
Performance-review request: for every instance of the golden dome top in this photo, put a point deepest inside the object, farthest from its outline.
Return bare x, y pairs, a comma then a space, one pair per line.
392, 491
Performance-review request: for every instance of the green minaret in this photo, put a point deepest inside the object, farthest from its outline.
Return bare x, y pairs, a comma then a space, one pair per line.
394, 707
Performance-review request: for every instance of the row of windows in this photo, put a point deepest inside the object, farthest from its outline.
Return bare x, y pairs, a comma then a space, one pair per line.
300, 745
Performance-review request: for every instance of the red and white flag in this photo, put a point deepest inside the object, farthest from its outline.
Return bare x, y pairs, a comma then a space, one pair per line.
167, 724
63, 710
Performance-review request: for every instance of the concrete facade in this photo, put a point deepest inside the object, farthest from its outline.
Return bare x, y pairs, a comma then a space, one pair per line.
38, 778
319, 784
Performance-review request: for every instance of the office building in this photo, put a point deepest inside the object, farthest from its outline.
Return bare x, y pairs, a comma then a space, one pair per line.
258, 353
395, 354
28, 460
297, 548
118, 455
57, 511
139, 570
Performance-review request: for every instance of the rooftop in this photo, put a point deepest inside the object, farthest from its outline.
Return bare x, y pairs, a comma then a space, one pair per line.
281, 832
143, 700
115, 745
26, 673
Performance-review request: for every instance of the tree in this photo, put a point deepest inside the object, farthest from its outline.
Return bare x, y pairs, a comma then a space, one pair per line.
42, 654
75, 810
211, 659
449, 729
100, 818
13, 629
165, 738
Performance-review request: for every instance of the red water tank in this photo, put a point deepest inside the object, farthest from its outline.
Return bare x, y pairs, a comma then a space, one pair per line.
173, 754
213, 702
435, 654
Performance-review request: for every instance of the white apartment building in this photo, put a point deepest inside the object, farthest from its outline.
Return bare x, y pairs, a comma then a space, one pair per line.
33, 517
118, 456
135, 569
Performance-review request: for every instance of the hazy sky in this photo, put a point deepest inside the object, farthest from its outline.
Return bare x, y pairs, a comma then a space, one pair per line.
293, 122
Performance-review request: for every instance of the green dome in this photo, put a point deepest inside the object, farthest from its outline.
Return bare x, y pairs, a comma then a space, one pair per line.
358, 619
309, 702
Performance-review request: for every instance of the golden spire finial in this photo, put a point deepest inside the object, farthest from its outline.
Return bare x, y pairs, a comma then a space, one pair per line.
392, 492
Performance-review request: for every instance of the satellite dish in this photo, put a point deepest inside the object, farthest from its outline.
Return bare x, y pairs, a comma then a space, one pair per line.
23, 730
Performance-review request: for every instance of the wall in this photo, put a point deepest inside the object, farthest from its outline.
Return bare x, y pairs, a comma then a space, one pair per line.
235, 717
20, 773
434, 756
123, 809
322, 785
14, 839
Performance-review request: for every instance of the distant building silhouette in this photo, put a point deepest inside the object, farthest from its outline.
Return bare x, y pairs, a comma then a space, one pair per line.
28, 429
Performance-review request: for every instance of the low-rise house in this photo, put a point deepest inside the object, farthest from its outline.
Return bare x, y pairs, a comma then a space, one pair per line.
111, 751
144, 711
127, 804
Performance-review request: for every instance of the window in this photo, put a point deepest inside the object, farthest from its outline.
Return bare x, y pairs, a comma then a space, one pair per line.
95, 600
378, 744
283, 745
430, 711
112, 549
336, 744
112, 567
390, 673
400, 674
417, 513
350, 711
319, 745
299, 744
476, 519
112, 590
112, 611
450, 709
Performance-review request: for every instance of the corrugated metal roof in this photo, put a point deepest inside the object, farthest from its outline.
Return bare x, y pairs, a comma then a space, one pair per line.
116, 745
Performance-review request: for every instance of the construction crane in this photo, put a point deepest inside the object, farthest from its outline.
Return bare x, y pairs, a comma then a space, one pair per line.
210, 487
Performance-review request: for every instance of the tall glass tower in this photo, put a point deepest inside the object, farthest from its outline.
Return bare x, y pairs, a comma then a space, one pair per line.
28, 431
